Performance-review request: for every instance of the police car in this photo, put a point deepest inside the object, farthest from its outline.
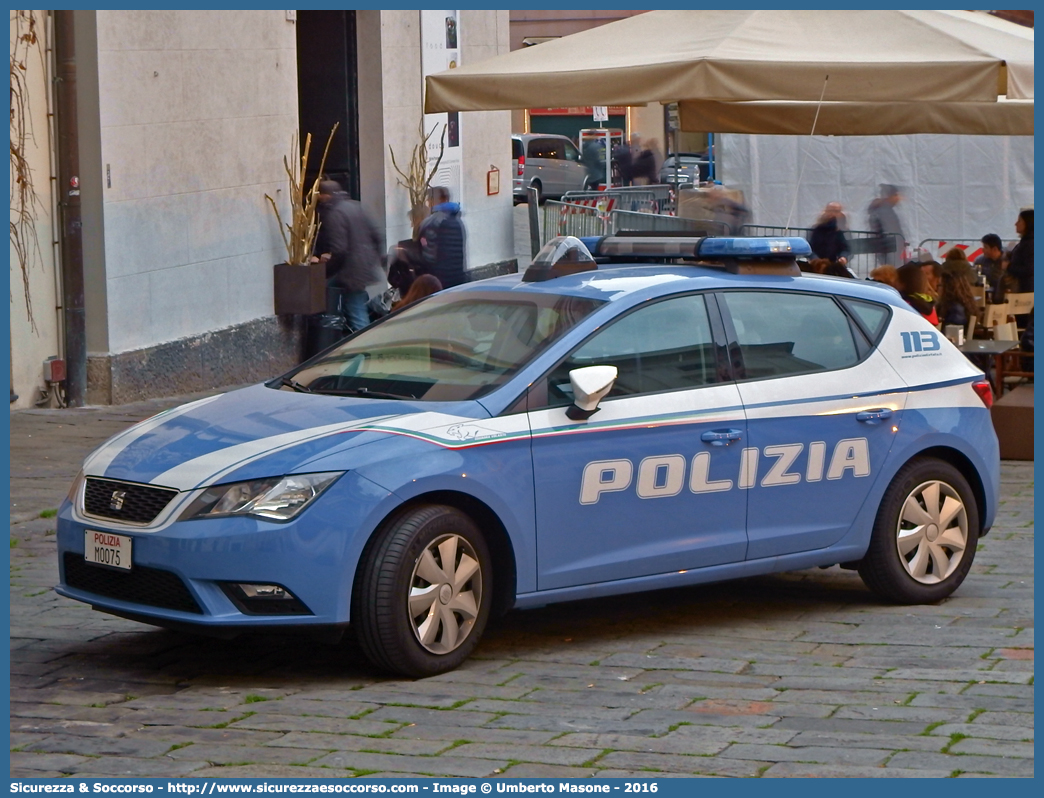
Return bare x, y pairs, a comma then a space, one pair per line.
631, 413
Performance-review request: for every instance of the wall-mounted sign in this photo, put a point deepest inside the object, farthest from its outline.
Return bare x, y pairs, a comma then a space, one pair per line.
440, 50
492, 181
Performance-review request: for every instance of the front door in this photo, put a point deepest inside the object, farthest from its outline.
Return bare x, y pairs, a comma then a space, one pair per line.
648, 484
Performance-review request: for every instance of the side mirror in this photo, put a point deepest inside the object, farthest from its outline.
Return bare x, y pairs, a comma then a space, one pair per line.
590, 385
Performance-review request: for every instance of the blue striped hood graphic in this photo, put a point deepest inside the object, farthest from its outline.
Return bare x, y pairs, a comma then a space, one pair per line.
273, 430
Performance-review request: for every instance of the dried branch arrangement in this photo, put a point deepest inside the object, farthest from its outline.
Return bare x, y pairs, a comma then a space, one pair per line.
417, 180
25, 202
299, 233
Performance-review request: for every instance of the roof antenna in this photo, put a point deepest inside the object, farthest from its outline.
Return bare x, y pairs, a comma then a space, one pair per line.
801, 172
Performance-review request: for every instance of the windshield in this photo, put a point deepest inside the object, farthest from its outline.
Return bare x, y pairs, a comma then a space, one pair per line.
448, 347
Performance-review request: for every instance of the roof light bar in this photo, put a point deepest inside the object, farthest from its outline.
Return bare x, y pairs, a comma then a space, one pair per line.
568, 254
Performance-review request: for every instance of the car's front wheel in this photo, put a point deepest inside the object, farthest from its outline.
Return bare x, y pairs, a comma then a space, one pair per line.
924, 536
422, 597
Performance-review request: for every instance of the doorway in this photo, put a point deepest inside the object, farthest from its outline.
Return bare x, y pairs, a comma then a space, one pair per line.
328, 91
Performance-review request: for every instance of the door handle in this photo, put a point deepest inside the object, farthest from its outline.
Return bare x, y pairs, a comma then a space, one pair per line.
721, 437
874, 416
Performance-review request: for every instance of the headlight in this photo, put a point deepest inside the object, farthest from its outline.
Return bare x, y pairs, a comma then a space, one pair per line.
74, 490
279, 498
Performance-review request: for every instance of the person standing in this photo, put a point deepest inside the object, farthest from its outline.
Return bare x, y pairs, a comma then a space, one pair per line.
442, 240
885, 222
350, 244
645, 165
623, 154
1020, 262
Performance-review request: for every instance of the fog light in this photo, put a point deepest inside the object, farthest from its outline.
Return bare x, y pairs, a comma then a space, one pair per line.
265, 591
256, 599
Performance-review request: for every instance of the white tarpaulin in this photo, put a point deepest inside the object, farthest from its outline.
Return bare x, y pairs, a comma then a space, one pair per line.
953, 186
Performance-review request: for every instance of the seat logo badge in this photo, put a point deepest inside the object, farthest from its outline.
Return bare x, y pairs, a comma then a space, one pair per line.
118, 497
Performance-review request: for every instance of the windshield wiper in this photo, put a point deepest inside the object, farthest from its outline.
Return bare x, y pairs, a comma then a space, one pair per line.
363, 391
291, 383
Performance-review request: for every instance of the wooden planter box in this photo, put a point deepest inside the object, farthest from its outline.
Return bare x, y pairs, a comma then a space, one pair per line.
300, 289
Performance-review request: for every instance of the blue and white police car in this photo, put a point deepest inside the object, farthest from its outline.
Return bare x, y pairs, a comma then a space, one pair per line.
630, 413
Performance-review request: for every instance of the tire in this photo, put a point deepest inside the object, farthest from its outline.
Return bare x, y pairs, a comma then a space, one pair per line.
539, 191
403, 573
924, 536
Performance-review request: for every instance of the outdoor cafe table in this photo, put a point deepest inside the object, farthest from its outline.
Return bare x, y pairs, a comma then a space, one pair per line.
996, 349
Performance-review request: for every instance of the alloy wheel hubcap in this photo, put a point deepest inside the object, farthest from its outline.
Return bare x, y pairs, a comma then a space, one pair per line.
932, 532
445, 594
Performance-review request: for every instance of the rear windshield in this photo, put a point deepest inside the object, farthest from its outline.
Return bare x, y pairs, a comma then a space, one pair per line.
447, 347
516, 149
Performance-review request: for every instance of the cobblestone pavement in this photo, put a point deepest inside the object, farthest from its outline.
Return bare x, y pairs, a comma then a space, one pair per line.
799, 674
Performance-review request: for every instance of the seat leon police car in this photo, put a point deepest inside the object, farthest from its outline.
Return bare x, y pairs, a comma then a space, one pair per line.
630, 413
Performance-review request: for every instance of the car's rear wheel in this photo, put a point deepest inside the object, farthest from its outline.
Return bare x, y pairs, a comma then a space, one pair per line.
422, 597
539, 192
924, 536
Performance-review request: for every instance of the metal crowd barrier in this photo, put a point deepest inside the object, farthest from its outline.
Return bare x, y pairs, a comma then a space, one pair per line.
624, 199
864, 245
625, 220
571, 219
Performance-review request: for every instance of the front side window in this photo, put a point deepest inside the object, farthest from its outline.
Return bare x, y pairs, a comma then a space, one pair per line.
789, 333
448, 347
665, 346
571, 152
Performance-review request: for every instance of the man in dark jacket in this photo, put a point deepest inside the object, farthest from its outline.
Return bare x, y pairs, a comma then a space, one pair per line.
351, 245
442, 240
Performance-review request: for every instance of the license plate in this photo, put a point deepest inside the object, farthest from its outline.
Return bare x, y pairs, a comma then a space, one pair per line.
105, 548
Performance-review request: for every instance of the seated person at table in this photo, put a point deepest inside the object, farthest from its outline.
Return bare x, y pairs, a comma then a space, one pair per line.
932, 271
956, 262
993, 266
913, 288
956, 304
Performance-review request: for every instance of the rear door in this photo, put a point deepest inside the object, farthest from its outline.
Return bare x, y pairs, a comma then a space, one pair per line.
648, 484
822, 408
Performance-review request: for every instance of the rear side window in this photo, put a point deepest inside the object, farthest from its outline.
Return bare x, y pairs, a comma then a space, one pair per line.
545, 148
873, 317
787, 333
516, 149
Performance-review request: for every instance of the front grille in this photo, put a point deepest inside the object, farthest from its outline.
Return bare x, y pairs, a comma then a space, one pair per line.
142, 585
125, 501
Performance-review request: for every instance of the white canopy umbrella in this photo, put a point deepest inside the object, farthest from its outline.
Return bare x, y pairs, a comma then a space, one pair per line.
860, 60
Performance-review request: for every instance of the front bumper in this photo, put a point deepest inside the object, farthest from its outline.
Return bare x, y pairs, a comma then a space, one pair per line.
181, 572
